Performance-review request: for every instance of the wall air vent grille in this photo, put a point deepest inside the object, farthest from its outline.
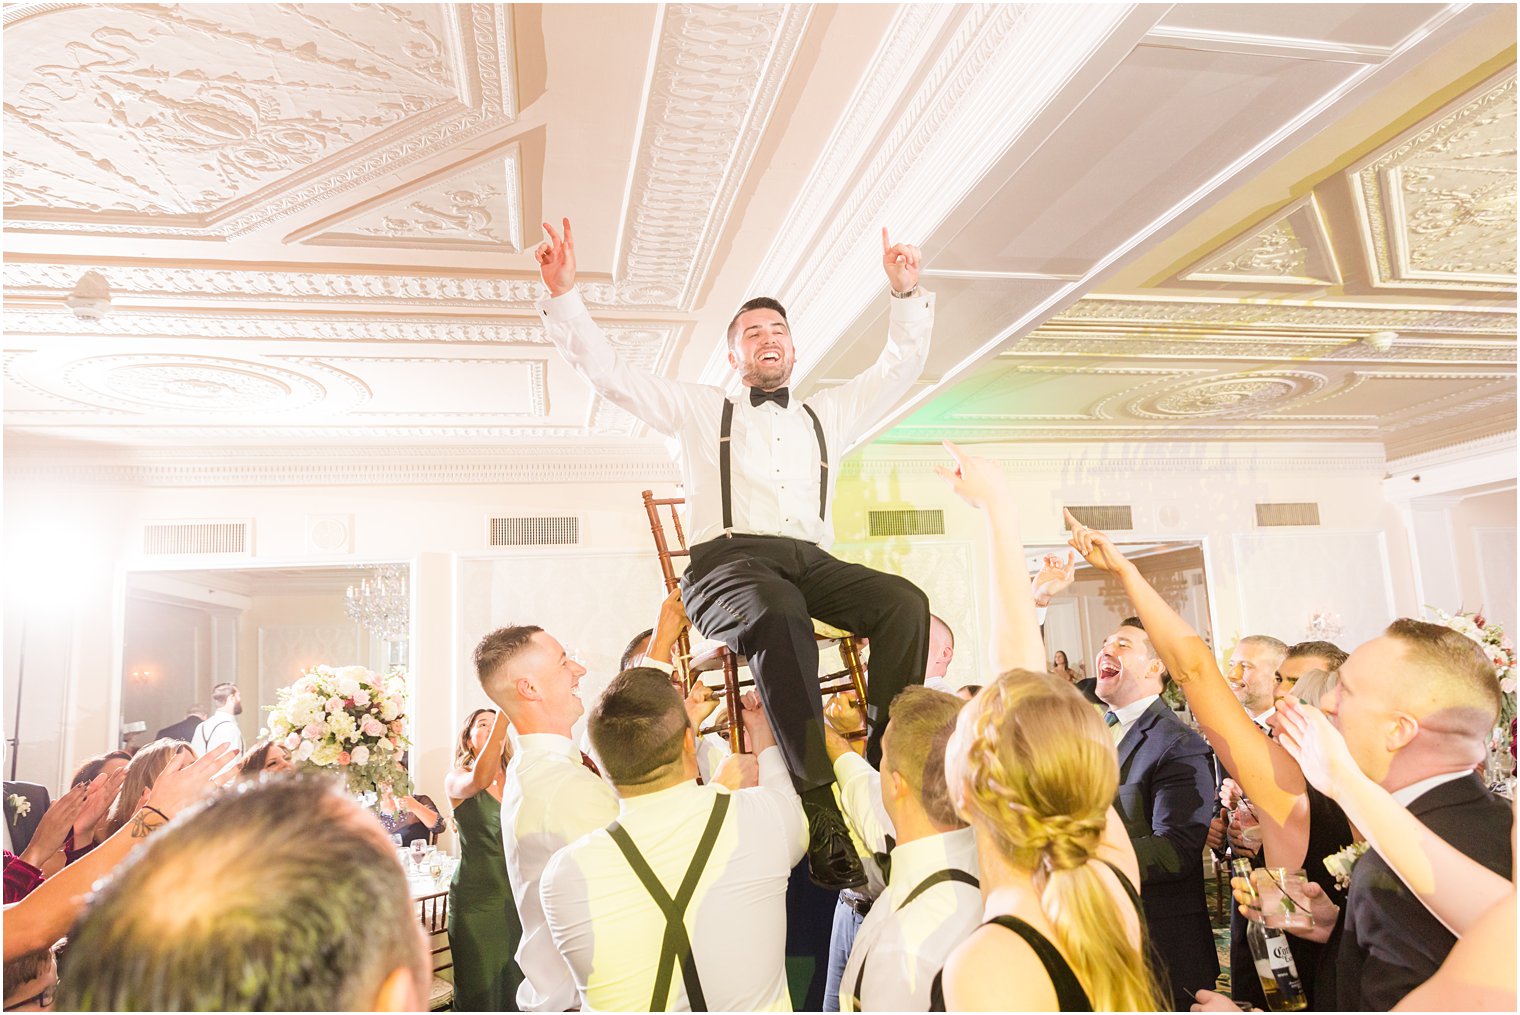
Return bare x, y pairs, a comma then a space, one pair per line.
907, 523
1104, 517
1287, 514
543, 530
169, 538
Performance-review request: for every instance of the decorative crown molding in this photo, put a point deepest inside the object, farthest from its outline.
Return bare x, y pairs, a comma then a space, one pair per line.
272, 145
713, 85
1293, 248
1437, 207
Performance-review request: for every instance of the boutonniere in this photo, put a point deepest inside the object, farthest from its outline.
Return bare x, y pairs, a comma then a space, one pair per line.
1339, 865
20, 805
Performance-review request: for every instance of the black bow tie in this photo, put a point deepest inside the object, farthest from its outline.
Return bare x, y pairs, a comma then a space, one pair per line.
779, 396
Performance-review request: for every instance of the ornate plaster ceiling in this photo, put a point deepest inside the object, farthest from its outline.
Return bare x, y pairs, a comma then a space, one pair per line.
1142, 222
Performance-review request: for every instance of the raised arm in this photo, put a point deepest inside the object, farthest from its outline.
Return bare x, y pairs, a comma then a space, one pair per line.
43, 917
661, 403
1457, 889
857, 404
1264, 770
463, 783
1016, 642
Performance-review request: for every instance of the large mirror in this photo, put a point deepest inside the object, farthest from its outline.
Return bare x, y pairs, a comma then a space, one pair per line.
259, 628
1077, 622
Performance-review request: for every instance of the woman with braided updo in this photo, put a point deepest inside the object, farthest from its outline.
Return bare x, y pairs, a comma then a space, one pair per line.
1032, 768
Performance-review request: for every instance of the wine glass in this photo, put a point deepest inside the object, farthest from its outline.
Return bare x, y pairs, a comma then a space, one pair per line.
419, 850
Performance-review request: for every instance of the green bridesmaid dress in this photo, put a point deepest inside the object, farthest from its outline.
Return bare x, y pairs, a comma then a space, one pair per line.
483, 925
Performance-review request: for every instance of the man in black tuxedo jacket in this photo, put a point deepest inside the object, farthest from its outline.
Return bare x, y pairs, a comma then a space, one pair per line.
185, 728
1416, 706
19, 827
1166, 798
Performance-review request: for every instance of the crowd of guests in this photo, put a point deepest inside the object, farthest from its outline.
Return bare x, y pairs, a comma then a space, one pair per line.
1038, 843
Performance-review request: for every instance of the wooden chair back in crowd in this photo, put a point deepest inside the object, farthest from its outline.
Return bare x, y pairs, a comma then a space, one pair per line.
851, 680
433, 911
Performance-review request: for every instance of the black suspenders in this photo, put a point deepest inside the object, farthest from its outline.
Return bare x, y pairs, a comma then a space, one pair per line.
725, 468
937, 878
675, 949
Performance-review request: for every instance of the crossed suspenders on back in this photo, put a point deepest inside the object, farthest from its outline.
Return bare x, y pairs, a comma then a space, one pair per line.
675, 949
937, 878
725, 470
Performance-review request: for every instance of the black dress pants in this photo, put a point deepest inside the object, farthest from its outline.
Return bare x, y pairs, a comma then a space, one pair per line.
758, 595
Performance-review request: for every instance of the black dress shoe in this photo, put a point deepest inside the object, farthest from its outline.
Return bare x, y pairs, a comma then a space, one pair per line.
832, 861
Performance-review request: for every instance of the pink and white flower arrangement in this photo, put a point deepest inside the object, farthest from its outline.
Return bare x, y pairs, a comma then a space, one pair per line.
349, 719
1501, 652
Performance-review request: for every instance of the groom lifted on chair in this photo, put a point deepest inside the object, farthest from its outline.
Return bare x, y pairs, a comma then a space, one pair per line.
759, 471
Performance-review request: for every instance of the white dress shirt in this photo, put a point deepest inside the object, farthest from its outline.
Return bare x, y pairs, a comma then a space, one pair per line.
1128, 715
906, 947
774, 450
220, 728
550, 799
1409, 794
610, 930
857, 787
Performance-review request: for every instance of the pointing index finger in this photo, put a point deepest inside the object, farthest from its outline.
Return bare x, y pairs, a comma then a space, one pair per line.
569, 240
886, 244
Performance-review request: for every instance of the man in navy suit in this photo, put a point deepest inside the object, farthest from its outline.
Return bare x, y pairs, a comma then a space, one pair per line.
1166, 798
1416, 706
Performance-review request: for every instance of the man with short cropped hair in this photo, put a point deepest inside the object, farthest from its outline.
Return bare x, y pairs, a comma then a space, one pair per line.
1303, 658
1166, 795
680, 904
1416, 706
941, 651
221, 726
553, 793
1252, 674
281, 895
932, 900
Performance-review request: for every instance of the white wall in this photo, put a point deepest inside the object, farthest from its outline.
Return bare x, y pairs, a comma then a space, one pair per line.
1484, 529
602, 592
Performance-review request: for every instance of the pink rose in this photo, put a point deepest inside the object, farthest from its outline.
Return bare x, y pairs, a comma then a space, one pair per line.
344, 758
312, 732
373, 727
334, 704
362, 699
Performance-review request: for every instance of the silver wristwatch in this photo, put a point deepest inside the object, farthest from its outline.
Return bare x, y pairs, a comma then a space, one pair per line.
907, 295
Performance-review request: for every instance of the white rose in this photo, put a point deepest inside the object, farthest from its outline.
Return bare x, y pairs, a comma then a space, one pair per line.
327, 754
306, 750
388, 710
1507, 685
360, 755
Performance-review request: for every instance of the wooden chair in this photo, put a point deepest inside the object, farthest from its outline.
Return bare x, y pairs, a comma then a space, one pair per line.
433, 911
716, 656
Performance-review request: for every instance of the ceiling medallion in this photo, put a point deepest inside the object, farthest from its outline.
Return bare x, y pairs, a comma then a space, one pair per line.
1236, 395
191, 384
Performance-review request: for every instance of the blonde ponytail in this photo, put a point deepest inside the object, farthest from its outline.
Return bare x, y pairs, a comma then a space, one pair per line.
1039, 773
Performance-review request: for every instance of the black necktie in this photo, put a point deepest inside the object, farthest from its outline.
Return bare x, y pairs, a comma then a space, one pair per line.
779, 396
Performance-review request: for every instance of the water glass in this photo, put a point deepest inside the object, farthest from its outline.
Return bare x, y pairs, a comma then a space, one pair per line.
1284, 897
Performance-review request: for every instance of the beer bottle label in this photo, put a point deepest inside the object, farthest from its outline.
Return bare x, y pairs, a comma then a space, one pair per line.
1284, 971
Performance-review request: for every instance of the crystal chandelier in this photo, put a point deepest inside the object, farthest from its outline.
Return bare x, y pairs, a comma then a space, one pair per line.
382, 602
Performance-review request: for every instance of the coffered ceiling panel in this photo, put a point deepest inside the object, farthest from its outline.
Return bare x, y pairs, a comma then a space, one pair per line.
316, 222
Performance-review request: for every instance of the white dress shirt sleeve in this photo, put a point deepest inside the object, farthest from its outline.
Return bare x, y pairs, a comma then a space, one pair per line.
850, 408
860, 799
776, 787
661, 403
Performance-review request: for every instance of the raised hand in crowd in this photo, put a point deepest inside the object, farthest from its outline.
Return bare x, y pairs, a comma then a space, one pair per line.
44, 916
1016, 642
556, 260
1265, 772
899, 260
53, 829
97, 804
1054, 577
